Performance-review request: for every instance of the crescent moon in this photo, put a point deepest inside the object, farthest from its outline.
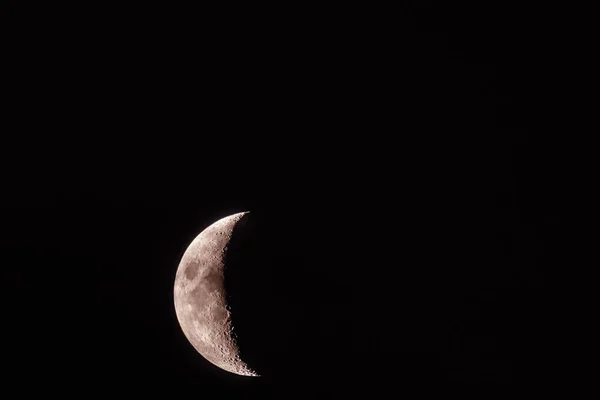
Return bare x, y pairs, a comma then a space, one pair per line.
200, 301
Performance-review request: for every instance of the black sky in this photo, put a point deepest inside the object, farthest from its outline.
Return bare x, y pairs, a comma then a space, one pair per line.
405, 160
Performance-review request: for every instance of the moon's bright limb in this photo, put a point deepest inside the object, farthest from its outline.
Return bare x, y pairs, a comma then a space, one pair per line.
200, 302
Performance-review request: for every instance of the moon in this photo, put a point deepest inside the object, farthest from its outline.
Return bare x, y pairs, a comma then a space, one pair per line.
200, 298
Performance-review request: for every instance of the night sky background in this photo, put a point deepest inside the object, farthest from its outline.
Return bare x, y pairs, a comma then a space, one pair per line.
405, 167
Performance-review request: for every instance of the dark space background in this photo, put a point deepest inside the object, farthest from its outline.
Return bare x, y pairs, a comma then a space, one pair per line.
405, 168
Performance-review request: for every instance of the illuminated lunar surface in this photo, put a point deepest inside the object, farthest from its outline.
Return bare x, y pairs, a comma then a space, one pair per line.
200, 298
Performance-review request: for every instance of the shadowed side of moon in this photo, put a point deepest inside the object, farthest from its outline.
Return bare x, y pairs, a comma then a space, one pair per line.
278, 296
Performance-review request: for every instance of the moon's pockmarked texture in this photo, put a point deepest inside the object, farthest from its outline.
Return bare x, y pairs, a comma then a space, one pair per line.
200, 302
